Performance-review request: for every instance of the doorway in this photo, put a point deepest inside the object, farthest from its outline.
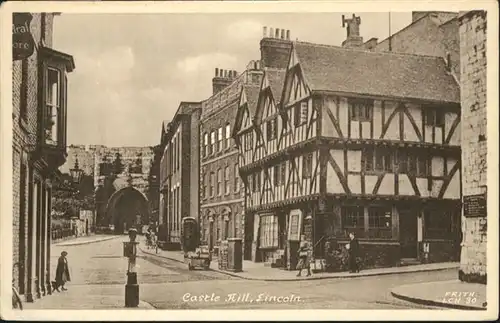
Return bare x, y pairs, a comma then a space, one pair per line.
408, 237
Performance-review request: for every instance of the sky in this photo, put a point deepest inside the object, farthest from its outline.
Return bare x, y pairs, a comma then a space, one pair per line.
133, 70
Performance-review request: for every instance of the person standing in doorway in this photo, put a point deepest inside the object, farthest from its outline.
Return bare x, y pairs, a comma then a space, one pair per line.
62, 271
353, 248
304, 259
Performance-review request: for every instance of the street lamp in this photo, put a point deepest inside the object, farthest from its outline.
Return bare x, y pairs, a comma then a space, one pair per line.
76, 173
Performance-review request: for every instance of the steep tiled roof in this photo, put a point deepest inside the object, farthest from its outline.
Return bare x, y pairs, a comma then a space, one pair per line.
252, 94
330, 68
276, 78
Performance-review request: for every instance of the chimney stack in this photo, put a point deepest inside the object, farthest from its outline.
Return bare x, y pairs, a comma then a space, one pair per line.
221, 80
275, 49
353, 39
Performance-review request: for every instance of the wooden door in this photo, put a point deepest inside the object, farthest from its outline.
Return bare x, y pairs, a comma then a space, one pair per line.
408, 233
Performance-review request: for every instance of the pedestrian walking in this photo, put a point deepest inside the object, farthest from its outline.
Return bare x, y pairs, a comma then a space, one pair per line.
353, 249
62, 272
304, 259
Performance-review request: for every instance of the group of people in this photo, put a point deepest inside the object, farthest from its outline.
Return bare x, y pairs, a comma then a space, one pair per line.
304, 255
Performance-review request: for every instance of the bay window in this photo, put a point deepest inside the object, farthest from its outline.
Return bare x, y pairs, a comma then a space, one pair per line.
438, 224
52, 106
268, 231
54, 68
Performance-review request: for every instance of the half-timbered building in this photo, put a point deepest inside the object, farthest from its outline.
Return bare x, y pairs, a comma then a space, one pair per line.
355, 141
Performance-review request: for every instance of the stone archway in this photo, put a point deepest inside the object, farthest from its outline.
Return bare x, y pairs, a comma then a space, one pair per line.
127, 208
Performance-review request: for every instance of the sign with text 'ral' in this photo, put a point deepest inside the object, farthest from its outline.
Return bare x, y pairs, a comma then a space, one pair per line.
23, 44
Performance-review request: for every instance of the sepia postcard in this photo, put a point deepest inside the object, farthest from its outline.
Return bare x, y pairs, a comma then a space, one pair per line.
247, 160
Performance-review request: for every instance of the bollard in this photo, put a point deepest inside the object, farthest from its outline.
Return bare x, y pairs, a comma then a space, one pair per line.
132, 286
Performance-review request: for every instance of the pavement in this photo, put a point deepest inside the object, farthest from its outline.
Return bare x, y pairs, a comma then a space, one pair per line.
449, 294
85, 240
257, 271
86, 297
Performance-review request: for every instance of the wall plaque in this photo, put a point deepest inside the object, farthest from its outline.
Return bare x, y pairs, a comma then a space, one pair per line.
474, 205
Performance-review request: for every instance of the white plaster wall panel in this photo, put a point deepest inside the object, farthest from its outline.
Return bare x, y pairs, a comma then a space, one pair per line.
377, 119
437, 165
338, 156
450, 163
392, 132
354, 160
405, 187
422, 187
370, 181
453, 189
354, 130
387, 185
409, 133
428, 134
333, 184
343, 116
436, 187
366, 130
354, 182
438, 137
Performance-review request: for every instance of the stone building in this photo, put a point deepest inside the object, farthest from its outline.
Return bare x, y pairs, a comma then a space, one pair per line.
179, 174
38, 149
121, 179
349, 149
474, 145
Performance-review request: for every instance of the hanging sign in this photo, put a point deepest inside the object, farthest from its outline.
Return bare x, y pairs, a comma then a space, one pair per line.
23, 44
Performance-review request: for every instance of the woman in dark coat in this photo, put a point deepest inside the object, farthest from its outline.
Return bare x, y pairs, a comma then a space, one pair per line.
62, 271
353, 248
304, 259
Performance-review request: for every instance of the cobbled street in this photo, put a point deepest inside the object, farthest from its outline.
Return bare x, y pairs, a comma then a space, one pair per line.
167, 284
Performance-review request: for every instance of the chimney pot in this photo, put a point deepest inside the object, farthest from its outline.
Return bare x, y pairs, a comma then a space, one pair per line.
277, 33
288, 35
216, 72
264, 31
271, 32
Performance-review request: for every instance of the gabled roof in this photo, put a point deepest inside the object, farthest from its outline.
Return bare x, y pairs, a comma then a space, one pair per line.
337, 69
251, 92
275, 79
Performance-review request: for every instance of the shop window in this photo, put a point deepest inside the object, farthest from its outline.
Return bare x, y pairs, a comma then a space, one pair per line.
438, 224
353, 220
380, 222
268, 231
307, 165
361, 110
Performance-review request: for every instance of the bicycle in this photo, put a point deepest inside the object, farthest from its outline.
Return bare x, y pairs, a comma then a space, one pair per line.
16, 299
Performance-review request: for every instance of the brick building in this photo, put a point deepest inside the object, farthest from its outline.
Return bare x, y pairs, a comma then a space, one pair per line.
179, 169
38, 149
376, 153
474, 145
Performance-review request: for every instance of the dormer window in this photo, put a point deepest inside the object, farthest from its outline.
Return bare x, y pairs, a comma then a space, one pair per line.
361, 110
434, 117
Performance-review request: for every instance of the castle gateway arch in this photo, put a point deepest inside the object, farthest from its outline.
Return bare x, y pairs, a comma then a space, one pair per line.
127, 208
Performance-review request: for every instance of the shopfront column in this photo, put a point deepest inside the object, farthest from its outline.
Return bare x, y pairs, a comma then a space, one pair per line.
48, 241
38, 224
43, 238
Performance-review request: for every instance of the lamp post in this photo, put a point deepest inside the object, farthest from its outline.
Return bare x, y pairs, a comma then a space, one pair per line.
76, 173
132, 287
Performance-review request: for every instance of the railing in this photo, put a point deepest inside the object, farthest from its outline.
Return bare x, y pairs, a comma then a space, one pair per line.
60, 234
